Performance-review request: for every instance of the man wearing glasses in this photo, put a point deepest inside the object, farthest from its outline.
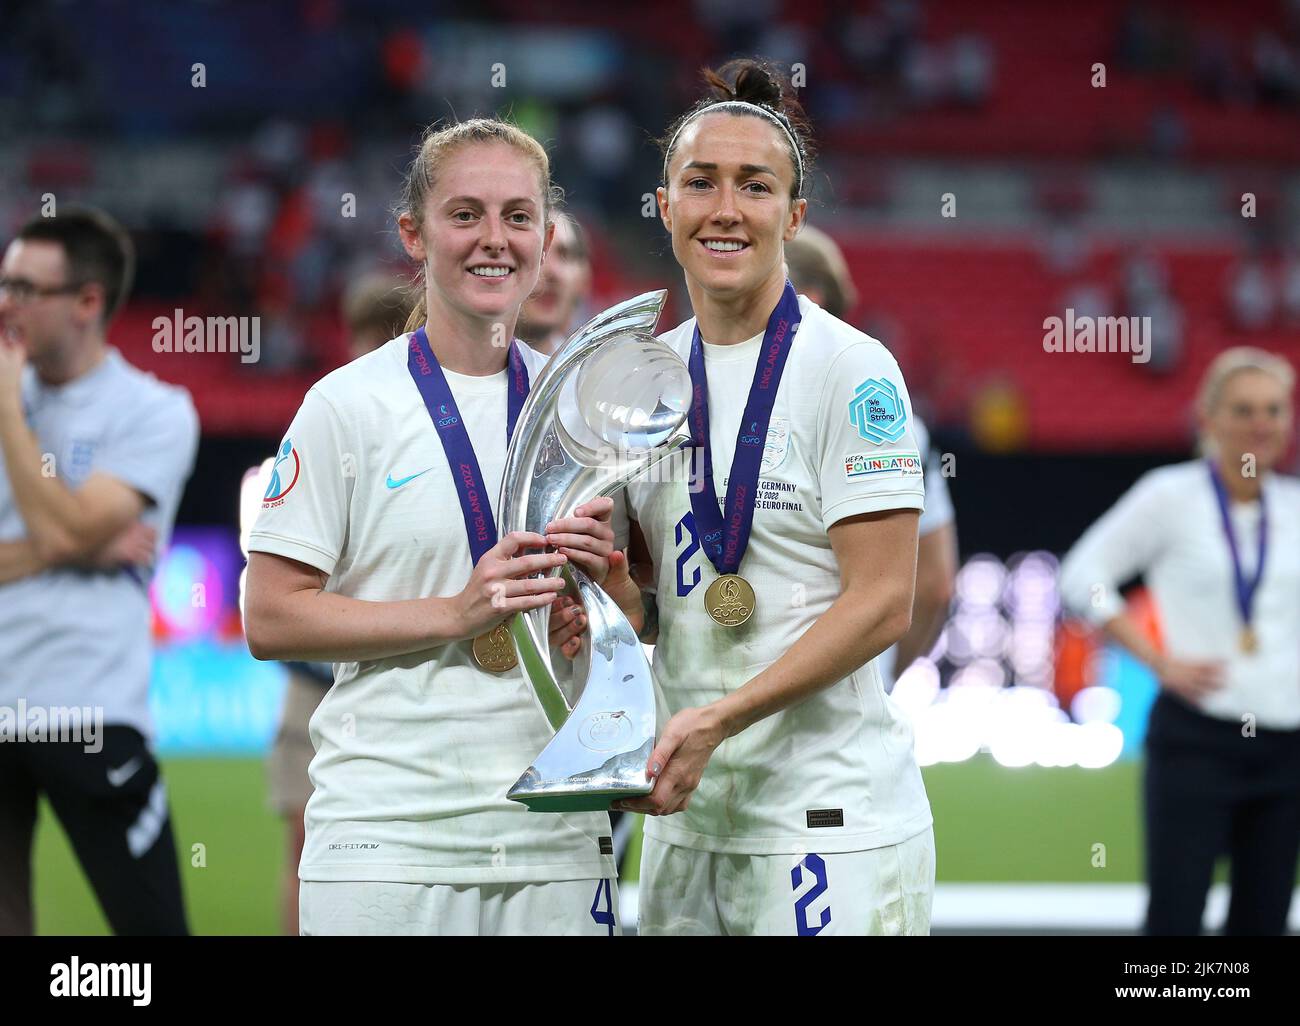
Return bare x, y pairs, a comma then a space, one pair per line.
94, 455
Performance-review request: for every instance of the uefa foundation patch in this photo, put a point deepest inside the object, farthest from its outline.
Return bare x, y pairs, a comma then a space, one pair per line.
876, 464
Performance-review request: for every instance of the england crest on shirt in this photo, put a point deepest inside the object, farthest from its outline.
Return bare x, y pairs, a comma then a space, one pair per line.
80, 457
777, 444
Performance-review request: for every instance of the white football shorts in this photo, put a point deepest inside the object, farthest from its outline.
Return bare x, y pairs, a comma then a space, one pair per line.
881, 891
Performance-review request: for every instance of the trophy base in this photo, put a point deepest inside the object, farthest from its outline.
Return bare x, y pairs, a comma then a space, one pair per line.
578, 801
582, 790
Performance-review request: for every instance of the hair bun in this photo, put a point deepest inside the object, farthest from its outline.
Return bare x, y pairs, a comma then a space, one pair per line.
762, 85
747, 79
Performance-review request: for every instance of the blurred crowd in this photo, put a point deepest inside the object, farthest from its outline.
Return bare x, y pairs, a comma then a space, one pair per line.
300, 179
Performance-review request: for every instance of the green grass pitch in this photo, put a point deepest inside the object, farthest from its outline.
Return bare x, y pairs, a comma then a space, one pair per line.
991, 824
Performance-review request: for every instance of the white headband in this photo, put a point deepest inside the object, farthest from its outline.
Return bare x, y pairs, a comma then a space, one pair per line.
765, 112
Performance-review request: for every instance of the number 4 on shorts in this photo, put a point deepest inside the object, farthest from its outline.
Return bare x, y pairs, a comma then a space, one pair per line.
605, 916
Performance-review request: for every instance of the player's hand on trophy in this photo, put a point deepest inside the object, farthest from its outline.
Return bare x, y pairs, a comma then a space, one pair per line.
586, 537
501, 584
678, 760
620, 586
568, 621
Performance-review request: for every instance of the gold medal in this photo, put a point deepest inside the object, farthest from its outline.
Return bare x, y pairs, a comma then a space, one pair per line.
1248, 640
494, 651
729, 600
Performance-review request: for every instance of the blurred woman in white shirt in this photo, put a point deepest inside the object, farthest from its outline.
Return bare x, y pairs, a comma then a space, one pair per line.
1217, 541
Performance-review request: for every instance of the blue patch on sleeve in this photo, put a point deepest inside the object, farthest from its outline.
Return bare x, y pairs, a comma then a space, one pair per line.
877, 411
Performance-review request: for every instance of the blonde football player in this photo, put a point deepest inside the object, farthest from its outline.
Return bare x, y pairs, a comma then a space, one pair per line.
376, 550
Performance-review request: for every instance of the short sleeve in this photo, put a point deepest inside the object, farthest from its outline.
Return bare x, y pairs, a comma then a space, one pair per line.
304, 514
870, 459
154, 449
1119, 546
938, 502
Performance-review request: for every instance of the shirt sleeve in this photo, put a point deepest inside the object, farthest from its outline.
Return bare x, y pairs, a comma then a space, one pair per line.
938, 502
304, 514
870, 459
1122, 544
153, 451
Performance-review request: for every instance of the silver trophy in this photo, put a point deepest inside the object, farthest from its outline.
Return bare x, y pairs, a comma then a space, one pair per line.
611, 403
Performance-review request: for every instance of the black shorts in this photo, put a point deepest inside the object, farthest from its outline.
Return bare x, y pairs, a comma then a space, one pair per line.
1214, 789
113, 807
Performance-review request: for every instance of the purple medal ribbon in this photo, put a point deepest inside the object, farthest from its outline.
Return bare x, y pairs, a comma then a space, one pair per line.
1245, 589
480, 527
725, 538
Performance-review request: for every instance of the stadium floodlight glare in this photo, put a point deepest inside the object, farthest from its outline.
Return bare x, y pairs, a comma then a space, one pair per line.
1096, 704
610, 404
1100, 744
981, 580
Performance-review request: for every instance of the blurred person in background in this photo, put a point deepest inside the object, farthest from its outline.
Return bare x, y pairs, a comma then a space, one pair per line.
818, 270
1289, 298
563, 289
374, 311
1146, 293
77, 552
1218, 542
376, 550
1251, 296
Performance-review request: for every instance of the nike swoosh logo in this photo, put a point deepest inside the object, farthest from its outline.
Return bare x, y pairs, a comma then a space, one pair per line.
398, 484
118, 777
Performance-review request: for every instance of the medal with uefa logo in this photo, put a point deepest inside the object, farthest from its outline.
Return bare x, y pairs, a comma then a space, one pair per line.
724, 532
493, 651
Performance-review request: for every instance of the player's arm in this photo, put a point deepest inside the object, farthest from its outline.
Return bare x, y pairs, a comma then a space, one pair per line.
936, 571
289, 614
877, 559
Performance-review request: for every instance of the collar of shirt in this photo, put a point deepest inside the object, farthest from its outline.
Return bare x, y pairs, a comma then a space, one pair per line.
77, 392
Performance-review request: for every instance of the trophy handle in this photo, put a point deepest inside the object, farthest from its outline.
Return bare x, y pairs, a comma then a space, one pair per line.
530, 631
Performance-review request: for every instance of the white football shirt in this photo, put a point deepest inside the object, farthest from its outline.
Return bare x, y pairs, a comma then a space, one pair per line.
1168, 529
414, 754
837, 771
